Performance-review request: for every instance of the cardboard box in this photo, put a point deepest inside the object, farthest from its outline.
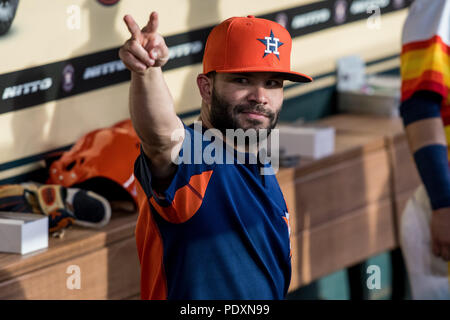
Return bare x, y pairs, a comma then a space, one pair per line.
23, 232
379, 96
383, 104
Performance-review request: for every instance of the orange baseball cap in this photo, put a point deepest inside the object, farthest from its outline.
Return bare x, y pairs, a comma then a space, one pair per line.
249, 44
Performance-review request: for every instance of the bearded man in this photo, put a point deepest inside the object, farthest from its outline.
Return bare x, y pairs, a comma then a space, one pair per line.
210, 230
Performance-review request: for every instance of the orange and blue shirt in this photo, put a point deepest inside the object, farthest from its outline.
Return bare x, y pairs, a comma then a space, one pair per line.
219, 231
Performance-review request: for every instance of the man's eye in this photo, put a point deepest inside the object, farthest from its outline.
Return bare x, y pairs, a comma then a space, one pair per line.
241, 80
274, 83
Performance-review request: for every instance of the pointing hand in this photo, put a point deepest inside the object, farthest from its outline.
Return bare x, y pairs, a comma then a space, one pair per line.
146, 48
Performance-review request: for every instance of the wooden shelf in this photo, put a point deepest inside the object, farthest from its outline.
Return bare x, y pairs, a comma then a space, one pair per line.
102, 256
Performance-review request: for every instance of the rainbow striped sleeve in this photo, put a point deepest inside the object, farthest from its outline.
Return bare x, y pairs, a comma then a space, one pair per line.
425, 63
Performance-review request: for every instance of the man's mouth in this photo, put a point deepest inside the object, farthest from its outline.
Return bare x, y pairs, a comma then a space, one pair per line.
255, 114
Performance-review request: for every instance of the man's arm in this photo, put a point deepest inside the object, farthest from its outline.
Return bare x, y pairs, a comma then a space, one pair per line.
151, 104
428, 144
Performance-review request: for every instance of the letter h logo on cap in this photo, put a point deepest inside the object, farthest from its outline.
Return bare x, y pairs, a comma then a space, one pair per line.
271, 43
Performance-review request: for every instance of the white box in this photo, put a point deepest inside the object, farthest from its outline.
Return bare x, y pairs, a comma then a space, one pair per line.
23, 232
310, 142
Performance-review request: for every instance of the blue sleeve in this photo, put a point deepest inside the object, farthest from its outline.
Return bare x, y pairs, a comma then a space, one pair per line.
421, 105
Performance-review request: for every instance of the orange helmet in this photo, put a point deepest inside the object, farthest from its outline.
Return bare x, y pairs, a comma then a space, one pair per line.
101, 161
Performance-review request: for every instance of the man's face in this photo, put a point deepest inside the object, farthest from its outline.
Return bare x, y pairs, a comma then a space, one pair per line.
246, 100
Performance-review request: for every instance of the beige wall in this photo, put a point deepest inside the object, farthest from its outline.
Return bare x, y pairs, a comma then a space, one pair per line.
39, 35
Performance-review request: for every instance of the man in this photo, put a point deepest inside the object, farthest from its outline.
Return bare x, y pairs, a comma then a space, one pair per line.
210, 230
425, 108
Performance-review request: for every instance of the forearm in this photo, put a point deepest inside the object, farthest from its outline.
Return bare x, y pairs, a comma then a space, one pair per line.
424, 133
154, 119
152, 109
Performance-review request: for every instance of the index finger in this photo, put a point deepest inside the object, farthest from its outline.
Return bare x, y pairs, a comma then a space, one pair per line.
153, 22
132, 26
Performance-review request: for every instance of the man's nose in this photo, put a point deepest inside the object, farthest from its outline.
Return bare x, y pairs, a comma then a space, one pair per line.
258, 95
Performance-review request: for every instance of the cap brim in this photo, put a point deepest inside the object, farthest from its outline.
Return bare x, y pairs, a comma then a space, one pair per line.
297, 77
291, 76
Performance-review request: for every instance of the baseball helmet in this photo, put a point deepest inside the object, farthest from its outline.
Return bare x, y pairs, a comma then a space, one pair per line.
101, 161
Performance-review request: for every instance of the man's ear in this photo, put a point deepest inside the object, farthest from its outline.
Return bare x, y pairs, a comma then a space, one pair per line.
205, 85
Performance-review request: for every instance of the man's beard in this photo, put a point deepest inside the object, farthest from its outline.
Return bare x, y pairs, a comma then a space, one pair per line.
225, 116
